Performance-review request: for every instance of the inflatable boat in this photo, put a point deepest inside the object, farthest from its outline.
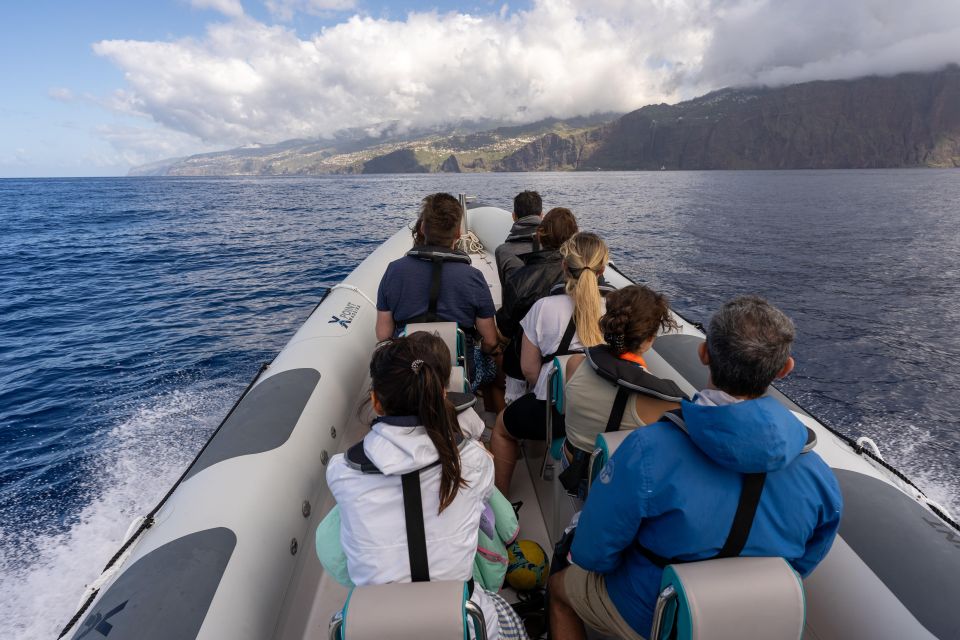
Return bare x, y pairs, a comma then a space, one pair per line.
229, 553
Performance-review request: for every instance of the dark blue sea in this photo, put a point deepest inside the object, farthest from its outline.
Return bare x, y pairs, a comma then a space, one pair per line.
133, 311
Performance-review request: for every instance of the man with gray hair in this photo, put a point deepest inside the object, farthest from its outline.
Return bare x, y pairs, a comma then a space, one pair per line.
669, 493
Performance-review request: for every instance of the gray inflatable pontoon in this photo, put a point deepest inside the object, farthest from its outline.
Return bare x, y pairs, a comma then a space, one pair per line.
229, 552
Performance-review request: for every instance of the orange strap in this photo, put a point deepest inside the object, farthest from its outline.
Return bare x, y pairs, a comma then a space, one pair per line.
632, 357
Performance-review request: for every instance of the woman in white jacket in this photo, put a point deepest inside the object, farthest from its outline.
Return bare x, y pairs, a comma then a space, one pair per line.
416, 430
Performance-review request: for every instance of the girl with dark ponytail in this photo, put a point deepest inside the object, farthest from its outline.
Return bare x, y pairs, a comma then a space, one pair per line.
416, 430
408, 380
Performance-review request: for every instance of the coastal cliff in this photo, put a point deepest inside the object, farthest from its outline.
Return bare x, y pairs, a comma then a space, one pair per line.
908, 120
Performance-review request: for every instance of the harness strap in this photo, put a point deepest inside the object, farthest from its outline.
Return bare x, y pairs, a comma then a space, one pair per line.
619, 406
750, 493
743, 519
416, 533
434, 288
563, 349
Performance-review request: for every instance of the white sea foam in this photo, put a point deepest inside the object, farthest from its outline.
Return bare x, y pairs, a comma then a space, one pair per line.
43, 578
916, 453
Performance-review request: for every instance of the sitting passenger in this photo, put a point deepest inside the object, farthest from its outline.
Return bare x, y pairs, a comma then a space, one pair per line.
540, 271
416, 432
556, 325
527, 209
668, 495
462, 294
634, 316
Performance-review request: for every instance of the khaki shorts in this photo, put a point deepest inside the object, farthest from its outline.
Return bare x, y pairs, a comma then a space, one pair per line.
587, 593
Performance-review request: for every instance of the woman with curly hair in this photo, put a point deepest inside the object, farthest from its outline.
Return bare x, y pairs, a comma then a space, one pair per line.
634, 317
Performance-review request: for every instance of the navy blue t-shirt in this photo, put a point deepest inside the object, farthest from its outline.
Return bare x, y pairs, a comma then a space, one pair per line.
405, 291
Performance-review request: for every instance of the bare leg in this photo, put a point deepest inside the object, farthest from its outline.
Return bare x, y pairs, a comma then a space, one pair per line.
565, 624
505, 450
498, 387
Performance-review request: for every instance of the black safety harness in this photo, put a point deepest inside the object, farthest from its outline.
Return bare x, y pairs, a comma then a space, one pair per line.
437, 256
629, 379
532, 238
750, 493
563, 349
412, 510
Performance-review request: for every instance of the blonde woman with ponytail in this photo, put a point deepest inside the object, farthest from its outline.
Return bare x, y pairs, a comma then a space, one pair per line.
574, 310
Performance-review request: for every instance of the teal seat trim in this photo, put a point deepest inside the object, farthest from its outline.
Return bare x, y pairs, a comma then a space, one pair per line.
601, 444
466, 630
557, 386
678, 611
343, 623
556, 448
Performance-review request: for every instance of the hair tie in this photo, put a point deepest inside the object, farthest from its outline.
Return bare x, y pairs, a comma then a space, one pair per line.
616, 340
415, 366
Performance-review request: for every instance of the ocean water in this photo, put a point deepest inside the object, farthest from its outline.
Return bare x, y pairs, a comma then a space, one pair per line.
133, 311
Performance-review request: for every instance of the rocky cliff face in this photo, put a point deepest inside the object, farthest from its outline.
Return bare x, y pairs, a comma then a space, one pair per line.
399, 161
552, 152
910, 120
450, 165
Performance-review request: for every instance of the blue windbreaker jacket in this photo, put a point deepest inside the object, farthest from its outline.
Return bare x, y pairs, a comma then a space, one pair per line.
676, 495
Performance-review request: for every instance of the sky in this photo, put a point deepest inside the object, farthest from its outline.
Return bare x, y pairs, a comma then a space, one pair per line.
92, 88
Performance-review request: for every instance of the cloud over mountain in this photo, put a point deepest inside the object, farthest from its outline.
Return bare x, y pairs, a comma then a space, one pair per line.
247, 80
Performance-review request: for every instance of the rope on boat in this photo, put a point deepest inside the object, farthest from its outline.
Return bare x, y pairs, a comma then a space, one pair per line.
148, 520
356, 290
470, 243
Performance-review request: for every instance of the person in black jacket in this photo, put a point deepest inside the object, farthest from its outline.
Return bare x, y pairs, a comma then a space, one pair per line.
527, 209
541, 270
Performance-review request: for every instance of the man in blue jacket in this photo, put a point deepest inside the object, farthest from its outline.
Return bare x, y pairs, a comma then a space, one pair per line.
669, 496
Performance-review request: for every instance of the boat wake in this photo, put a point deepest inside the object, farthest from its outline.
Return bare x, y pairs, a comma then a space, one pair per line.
44, 575
916, 453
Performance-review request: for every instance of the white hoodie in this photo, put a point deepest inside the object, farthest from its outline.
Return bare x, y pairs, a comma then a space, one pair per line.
372, 524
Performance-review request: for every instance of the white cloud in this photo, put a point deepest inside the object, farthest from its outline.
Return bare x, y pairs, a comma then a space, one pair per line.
776, 42
231, 8
246, 81
135, 145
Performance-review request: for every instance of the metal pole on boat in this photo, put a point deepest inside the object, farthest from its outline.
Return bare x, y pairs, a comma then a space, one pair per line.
464, 226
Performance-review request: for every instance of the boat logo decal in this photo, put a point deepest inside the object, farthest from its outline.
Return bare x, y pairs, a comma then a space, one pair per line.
345, 317
99, 621
606, 474
944, 529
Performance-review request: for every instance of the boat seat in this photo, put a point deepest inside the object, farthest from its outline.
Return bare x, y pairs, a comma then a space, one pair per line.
730, 599
458, 381
556, 399
446, 331
461, 401
408, 611
607, 443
